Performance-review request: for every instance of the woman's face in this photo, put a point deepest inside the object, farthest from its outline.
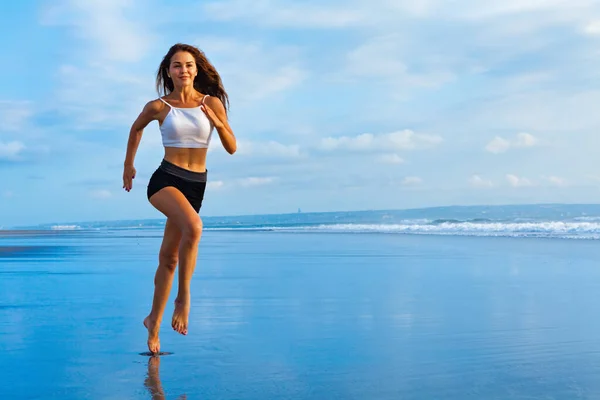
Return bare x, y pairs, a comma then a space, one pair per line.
183, 68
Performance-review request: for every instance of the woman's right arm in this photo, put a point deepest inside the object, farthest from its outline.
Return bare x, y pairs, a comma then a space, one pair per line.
148, 114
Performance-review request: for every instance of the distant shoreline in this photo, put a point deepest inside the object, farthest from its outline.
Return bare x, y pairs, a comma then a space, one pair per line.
442, 212
29, 232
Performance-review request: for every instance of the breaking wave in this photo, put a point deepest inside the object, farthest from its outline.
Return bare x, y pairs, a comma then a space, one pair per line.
550, 229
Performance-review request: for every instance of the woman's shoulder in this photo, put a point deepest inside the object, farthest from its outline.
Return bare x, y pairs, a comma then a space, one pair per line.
213, 101
154, 106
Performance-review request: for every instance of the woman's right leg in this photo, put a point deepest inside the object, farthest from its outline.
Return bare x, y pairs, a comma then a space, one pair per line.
163, 279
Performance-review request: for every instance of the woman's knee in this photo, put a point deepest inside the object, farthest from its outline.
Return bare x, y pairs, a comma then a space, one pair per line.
192, 229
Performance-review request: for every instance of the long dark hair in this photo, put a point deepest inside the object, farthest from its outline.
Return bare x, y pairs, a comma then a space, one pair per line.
207, 81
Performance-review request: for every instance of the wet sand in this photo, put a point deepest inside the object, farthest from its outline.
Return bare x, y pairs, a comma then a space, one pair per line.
303, 316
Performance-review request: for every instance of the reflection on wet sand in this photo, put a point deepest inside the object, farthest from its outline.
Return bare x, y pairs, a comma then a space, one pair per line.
153, 383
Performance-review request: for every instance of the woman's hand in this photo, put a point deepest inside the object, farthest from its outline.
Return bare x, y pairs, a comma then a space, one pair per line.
128, 177
218, 117
216, 121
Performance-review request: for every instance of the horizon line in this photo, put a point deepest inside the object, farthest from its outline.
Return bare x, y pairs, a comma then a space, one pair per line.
319, 212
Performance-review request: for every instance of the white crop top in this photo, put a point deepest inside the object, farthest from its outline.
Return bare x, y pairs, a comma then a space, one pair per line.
186, 127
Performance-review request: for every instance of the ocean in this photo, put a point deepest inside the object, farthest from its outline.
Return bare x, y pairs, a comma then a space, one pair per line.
551, 221
454, 303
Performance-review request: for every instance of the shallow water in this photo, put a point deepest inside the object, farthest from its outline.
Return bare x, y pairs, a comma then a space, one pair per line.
303, 316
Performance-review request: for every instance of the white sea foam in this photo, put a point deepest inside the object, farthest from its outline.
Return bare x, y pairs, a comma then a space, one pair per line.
558, 229
65, 227
587, 219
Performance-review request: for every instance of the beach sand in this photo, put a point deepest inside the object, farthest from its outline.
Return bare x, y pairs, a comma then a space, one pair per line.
303, 316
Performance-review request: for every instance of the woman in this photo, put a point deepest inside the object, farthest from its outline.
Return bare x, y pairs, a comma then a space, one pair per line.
193, 106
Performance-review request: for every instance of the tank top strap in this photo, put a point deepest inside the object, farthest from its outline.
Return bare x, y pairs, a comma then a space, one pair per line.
165, 102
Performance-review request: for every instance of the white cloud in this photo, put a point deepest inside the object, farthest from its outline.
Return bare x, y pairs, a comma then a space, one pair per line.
516, 181
479, 182
540, 12
498, 145
412, 181
106, 108
354, 13
215, 185
100, 194
399, 140
15, 115
247, 182
551, 109
556, 181
11, 150
252, 71
525, 140
377, 57
517, 82
361, 142
390, 159
484, 10
256, 181
592, 28
383, 57
282, 14
501, 145
108, 29
100, 83
268, 149
473, 32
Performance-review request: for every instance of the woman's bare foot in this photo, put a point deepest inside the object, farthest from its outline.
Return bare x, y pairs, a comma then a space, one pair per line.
180, 316
153, 341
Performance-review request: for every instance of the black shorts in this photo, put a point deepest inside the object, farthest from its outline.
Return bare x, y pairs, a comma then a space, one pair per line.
191, 184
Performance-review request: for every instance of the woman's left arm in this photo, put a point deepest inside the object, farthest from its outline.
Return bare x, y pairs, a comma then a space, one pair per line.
215, 111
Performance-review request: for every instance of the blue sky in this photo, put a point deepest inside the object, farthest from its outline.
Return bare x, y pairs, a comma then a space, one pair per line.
337, 105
